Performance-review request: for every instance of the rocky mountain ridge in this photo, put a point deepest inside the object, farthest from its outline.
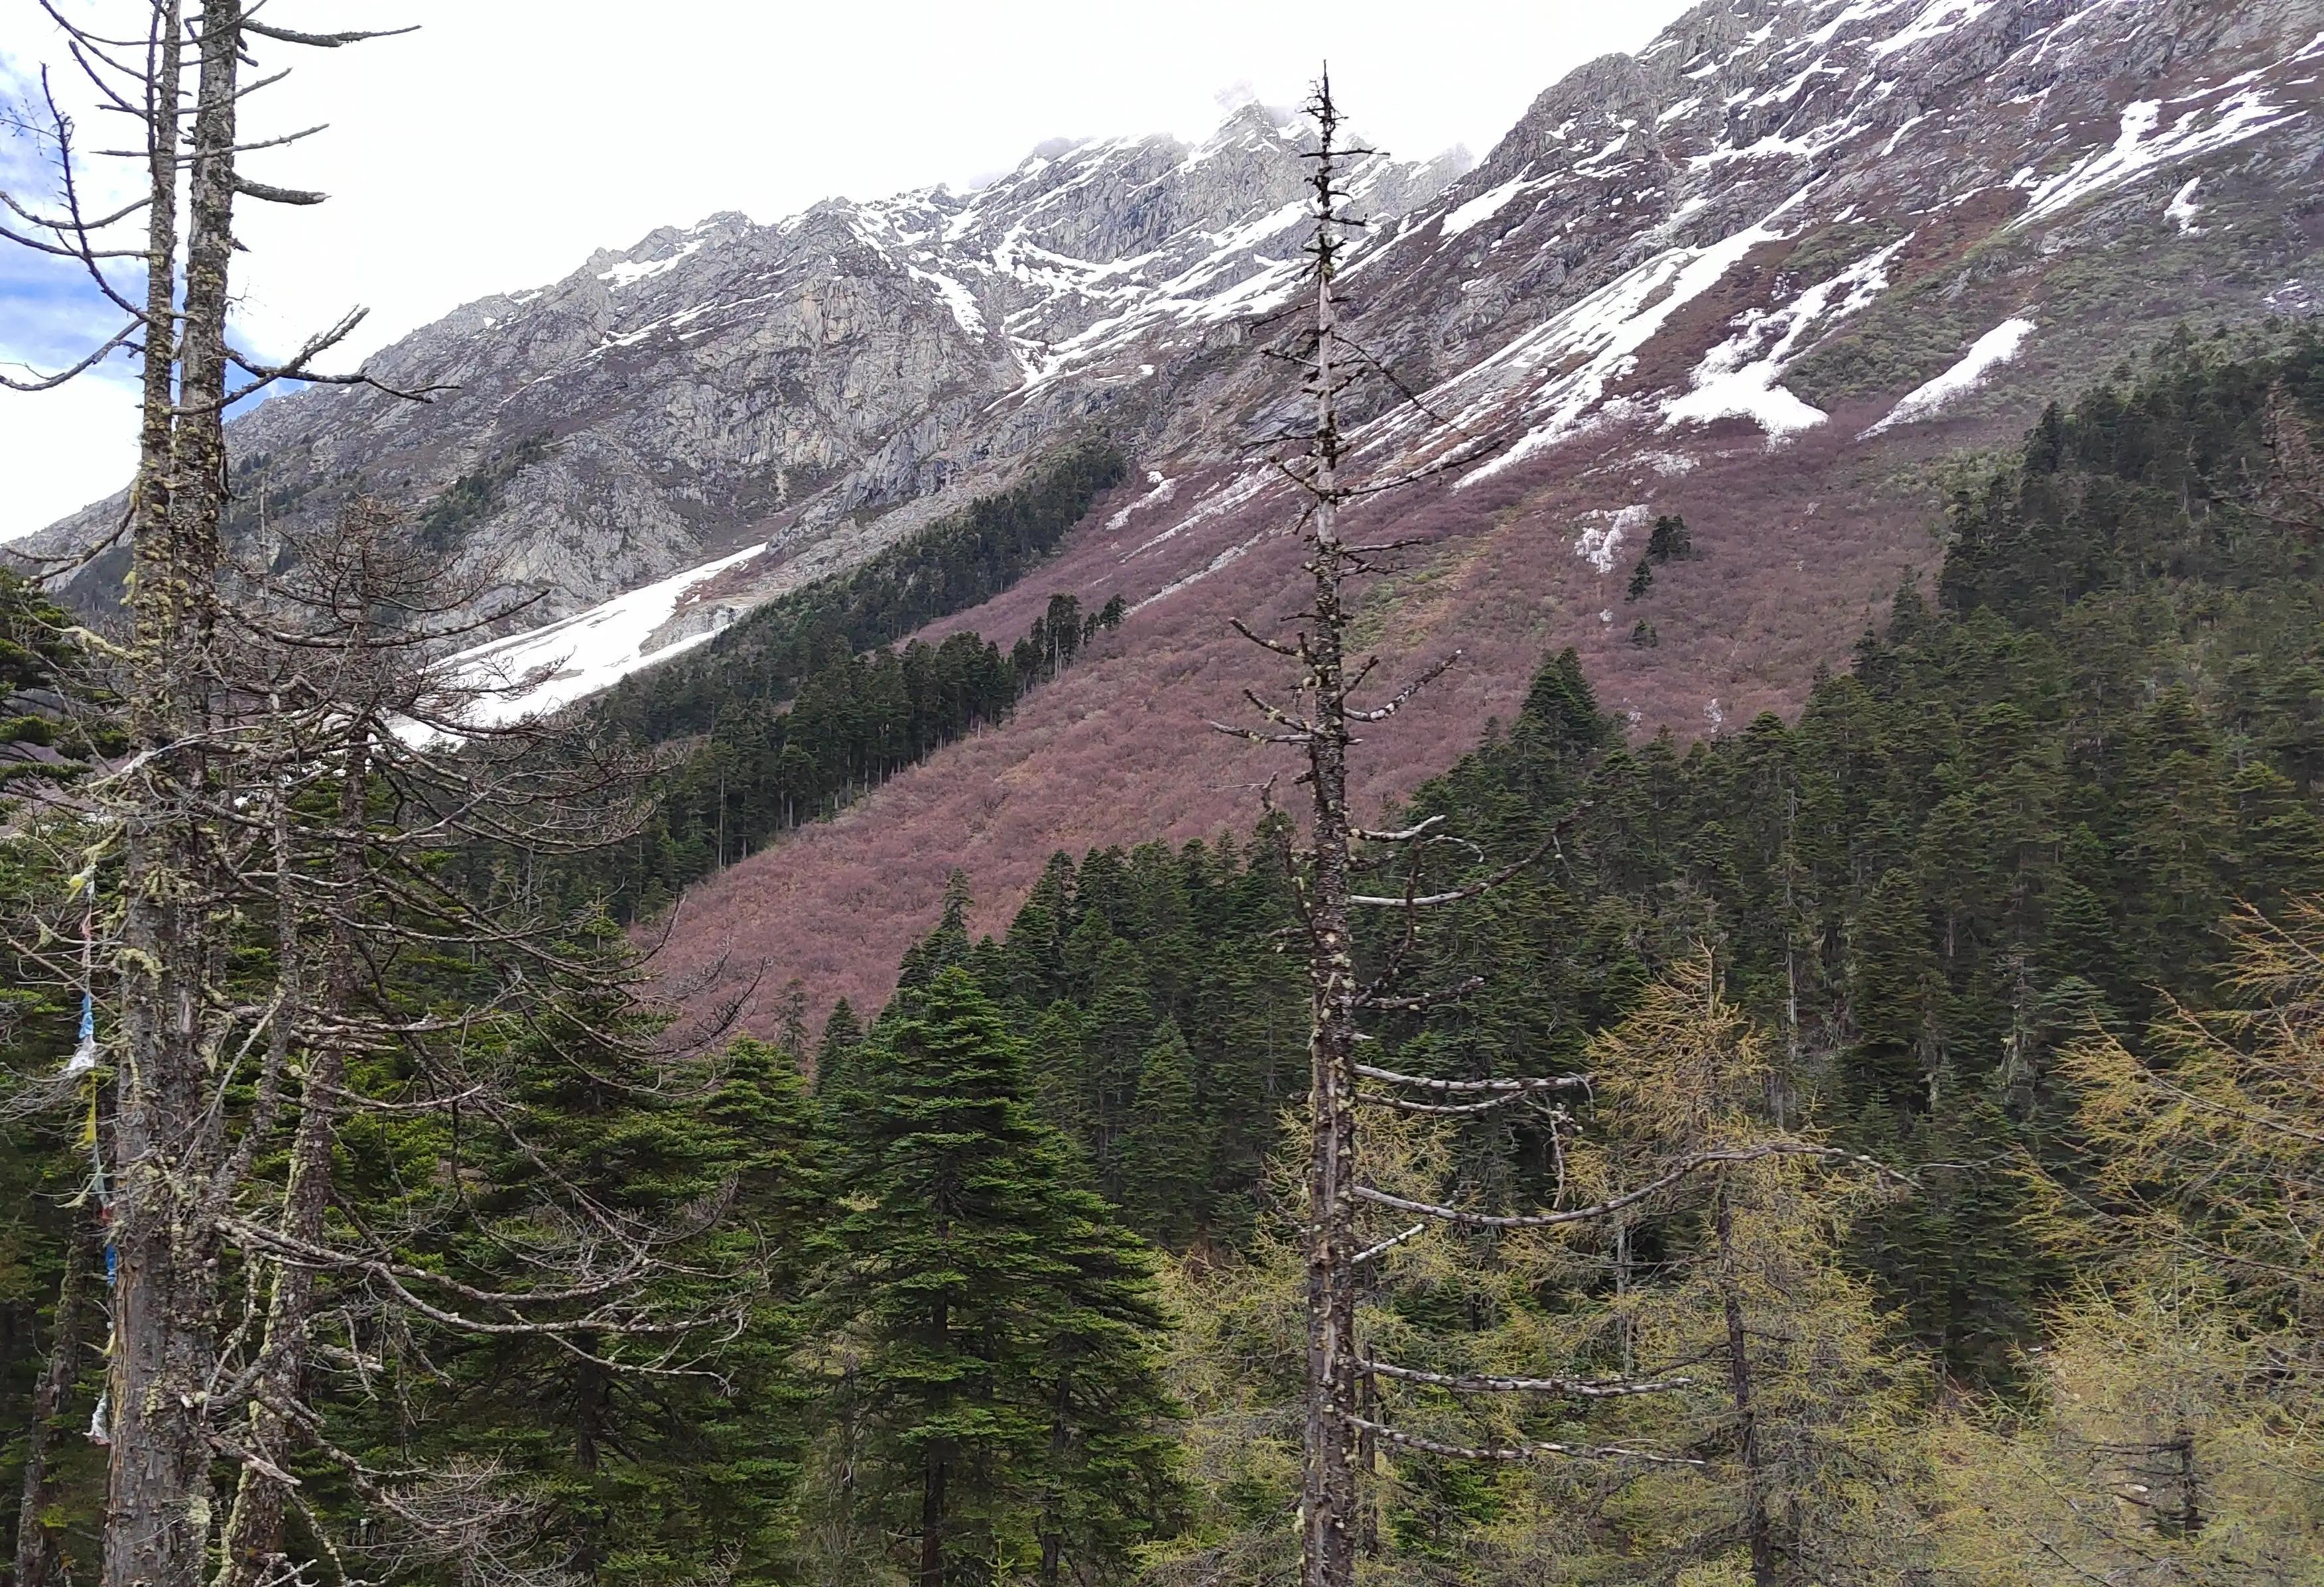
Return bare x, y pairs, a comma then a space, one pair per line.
1778, 209
819, 384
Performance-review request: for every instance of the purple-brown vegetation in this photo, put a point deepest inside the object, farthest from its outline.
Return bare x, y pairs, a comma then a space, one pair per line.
1797, 549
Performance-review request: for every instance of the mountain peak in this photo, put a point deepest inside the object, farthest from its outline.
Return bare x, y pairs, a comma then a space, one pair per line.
1776, 216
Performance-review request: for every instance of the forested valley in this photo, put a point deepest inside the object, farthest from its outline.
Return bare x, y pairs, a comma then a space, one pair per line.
2012, 941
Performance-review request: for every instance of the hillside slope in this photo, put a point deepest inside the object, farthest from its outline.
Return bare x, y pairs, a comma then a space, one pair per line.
1865, 236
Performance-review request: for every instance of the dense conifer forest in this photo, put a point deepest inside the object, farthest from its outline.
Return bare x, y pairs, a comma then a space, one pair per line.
2017, 921
808, 701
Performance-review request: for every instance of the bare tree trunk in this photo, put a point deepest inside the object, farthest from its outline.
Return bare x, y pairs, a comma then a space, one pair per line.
1624, 1323
1328, 1468
157, 1498
1758, 1527
932, 1520
1368, 1408
202, 1082
252, 1543
2188, 1519
36, 1555
1053, 1541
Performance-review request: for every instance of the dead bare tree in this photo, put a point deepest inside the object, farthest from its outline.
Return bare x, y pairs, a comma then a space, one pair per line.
295, 763
177, 1032
1343, 1423
364, 784
1321, 730
37, 1561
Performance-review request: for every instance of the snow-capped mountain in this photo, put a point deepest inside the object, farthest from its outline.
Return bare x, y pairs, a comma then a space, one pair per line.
1773, 260
823, 382
1780, 208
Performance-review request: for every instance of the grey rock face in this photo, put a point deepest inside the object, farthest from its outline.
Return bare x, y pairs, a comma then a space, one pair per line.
1942, 120
1781, 213
734, 382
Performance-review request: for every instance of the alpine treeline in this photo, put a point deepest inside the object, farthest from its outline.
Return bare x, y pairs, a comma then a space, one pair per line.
2019, 914
952, 564
808, 702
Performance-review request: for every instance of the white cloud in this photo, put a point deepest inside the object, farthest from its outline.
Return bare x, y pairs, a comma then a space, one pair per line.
502, 144
60, 451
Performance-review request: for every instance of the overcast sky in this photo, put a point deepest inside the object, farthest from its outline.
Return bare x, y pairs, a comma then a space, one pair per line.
501, 145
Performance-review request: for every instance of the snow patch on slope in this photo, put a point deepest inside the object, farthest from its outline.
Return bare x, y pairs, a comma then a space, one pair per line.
544, 670
628, 274
1938, 19
1484, 207
1994, 348
1223, 499
2144, 144
1605, 331
955, 298
1601, 534
1162, 491
1224, 560
2183, 209
1739, 377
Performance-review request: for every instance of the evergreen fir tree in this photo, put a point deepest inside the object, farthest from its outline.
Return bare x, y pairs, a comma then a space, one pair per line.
1108, 1479
1565, 707
654, 1456
970, 1263
1166, 1155
1114, 1040
1669, 538
1893, 981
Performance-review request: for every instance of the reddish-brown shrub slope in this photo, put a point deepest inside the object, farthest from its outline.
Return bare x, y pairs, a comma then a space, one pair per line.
1797, 550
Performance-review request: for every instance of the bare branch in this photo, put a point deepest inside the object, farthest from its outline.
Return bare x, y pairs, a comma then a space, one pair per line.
1280, 649
74, 225
267, 194
1400, 1105
1374, 1252
1576, 1388
1424, 1083
1462, 894
319, 41
1686, 1169
1255, 736
1421, 1000
1521, 1452
1404, 835
1397, 702
49, 383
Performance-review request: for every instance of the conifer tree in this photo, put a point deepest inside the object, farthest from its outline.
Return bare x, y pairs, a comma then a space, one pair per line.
995, 1312
1115, 1039
1108, 1477
753, 1416
656, 1455
1669, 538
1802, 1404
1059, 1085
835, 1052
1166, 1155
1893, 985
